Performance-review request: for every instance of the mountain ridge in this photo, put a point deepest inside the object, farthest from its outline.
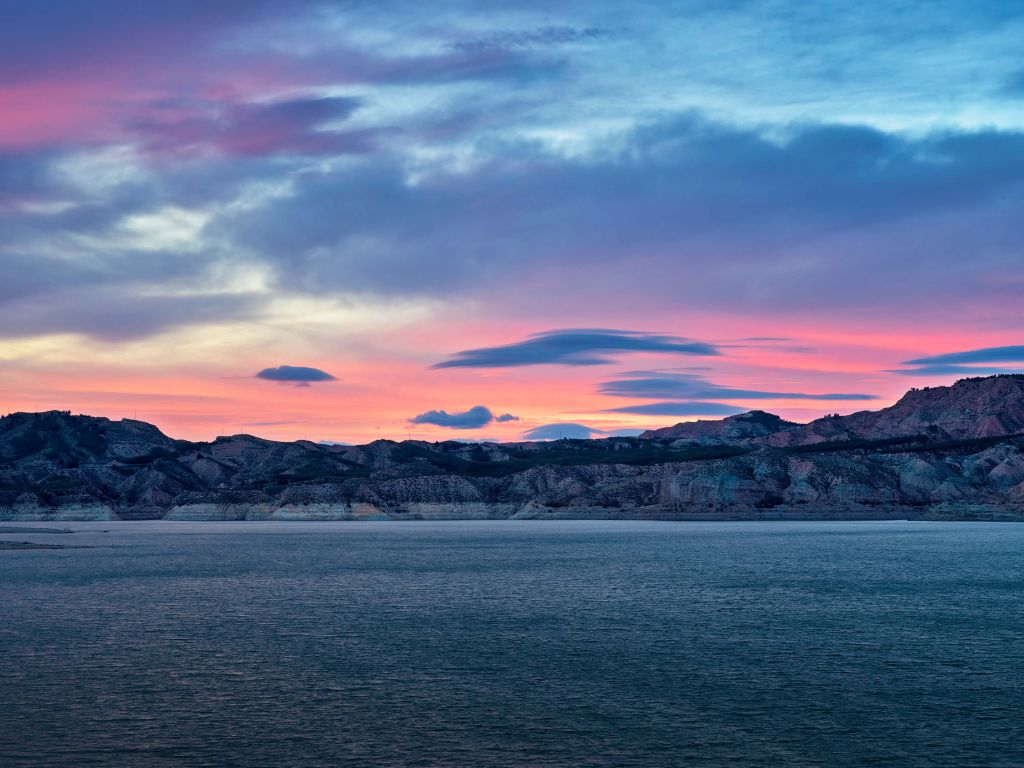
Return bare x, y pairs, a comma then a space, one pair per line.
970, 408
953, 451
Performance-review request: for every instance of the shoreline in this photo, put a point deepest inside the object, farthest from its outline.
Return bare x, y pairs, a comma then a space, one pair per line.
17, 546
498, 512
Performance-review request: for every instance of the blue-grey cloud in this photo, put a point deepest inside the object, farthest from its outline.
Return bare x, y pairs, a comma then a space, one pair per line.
676, 210
109, 314
971, 362
639, 214
476, 417
1008, 354
569, 430
685, 386
1014, 85
295, 374
70, 38
575, 347
680, 409
24, 176
293, 126
841, 201
111, 36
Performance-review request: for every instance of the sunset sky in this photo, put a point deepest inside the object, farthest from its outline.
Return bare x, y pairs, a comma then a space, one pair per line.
468, 220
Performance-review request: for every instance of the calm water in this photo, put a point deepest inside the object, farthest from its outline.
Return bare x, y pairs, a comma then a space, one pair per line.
515, 644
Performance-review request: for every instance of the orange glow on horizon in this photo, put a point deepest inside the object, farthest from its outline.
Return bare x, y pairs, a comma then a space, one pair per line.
378, 393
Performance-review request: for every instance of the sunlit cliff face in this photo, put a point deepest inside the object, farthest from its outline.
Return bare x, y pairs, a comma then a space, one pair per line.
341, 221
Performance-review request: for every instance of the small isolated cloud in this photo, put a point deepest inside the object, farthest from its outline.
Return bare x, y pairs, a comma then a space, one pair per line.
687, 386
585, 346
476, 417
559, 431
680, 409
295, 374
332, 442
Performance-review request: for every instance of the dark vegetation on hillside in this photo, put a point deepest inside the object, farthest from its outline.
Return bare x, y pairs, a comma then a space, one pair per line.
47, 437
908, 444
562, 453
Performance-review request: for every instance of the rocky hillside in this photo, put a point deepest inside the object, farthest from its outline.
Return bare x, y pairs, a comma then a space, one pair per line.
941, 452
971, 408
742, 426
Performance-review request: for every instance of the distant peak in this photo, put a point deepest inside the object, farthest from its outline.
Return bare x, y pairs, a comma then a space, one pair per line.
740, 426
758, 417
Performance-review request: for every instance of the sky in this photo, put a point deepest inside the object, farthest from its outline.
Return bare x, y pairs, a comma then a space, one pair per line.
341, 221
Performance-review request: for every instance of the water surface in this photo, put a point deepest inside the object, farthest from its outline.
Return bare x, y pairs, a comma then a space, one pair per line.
515, 644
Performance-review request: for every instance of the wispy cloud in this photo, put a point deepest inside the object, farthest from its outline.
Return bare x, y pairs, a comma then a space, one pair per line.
956, 370
1009, 354
575, 347
293, 126
541, 37
971, 362
686, 386
679, 409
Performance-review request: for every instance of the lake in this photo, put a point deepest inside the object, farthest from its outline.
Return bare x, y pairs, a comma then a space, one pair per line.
514, 643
